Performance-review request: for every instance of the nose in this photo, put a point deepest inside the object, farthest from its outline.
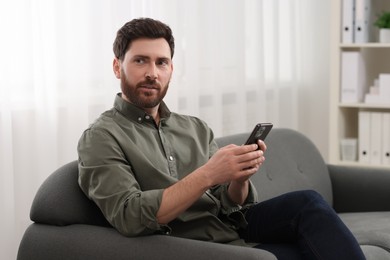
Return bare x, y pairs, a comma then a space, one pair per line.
151, 72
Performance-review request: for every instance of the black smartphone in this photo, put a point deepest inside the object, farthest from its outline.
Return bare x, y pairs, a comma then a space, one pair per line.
260, 131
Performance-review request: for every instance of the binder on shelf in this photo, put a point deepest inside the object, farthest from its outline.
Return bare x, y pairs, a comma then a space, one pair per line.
362, 20
353, 78
376, 138
364, 136
348, 17
386, 138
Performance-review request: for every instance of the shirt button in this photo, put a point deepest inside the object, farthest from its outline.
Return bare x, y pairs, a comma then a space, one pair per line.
171, 158
139, 119
147, 117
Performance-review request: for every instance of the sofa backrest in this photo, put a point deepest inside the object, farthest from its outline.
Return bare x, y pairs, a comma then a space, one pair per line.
292, 162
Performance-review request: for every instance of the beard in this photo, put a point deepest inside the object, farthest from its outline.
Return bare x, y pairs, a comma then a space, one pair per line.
146, 94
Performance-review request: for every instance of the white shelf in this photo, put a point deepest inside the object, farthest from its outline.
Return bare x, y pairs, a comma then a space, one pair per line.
343, 117
365, 105
364, 45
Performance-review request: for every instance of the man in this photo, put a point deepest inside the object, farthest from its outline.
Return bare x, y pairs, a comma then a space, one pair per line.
152, 171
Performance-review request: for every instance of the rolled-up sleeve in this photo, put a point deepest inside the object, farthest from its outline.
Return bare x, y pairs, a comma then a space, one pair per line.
233, 212
227, 205
106, 177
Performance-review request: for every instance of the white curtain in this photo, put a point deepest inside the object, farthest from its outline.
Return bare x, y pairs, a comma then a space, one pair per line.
236, 63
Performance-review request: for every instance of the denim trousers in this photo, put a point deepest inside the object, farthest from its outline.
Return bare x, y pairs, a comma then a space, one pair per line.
300, 225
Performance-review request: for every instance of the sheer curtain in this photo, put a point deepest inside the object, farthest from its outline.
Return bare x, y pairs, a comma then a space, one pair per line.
236, 63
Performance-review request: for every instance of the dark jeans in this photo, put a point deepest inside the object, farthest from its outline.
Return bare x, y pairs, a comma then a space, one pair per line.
300, 225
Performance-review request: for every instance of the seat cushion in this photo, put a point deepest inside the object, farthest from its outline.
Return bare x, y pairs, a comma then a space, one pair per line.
372, 230
88, 242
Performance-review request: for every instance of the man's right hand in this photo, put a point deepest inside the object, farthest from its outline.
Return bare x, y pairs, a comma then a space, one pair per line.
234, 163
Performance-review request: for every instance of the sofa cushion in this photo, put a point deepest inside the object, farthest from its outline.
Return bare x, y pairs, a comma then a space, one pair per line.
60, 201
292, 162
87, 242
375, 253
372, 230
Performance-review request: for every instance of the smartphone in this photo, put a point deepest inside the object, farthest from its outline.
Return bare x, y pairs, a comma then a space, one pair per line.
260, 131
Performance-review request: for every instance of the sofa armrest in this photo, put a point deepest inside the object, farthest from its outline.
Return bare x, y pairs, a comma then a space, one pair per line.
89, 242
358, 189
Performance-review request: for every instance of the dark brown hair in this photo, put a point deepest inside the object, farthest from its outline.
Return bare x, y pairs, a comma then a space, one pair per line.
141, 28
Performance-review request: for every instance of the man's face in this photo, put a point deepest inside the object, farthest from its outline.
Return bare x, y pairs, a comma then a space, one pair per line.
145, 72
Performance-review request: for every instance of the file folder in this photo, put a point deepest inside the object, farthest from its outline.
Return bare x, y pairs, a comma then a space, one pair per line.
386, 138
364, 127
362, 20
376, 138
348, 17
353, 79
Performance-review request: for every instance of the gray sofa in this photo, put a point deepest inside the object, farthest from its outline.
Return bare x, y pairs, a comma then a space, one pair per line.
66, 225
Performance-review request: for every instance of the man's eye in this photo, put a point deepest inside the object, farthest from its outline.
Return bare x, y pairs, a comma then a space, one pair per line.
163, 63
139, 61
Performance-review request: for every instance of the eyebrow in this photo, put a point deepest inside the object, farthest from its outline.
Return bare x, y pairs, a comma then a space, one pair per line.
148, 57
141, 56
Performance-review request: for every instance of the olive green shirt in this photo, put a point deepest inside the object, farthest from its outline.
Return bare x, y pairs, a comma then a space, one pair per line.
126, 161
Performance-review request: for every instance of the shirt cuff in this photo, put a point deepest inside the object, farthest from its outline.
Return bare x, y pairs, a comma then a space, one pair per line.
228, 206
150, 203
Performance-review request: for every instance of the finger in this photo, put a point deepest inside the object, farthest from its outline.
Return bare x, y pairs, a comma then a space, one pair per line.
253, 163
246, 173
250, 157
262, 145
244, 149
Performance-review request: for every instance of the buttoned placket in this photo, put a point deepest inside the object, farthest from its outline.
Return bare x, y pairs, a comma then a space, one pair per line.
168, 151
167, 147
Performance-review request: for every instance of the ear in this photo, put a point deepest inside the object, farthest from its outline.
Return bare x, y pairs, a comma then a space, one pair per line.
116, 66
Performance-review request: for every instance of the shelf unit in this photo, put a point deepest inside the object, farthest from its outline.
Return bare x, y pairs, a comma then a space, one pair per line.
344, 116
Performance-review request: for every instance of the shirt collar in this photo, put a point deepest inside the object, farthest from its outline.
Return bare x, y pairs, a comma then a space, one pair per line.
137, 114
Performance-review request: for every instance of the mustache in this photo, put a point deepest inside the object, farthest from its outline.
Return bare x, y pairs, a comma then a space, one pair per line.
149, 83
